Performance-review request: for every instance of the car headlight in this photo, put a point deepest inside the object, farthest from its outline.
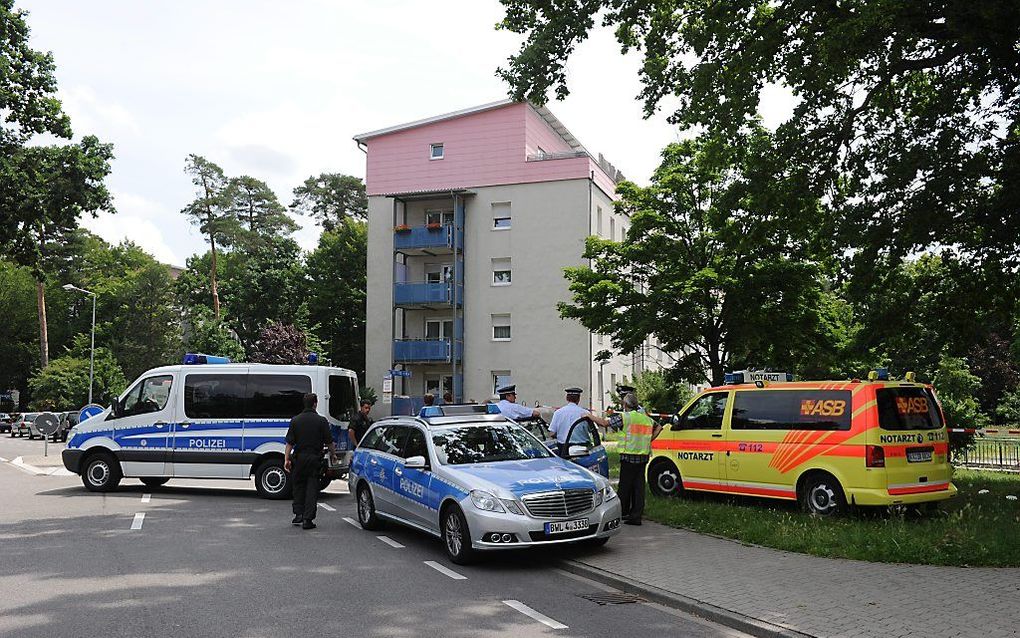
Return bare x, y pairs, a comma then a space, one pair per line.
485, 501
608, 493
512, 506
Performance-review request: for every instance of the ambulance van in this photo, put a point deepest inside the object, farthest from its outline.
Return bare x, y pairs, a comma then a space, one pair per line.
825, 444
207, 419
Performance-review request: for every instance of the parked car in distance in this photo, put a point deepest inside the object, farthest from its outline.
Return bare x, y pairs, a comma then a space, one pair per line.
67, 421
24, 425
5, 422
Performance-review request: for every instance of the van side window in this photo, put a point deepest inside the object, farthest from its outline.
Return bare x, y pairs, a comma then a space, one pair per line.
791, 410
276, 396
214, 396
343, 399
148, 396
706, 413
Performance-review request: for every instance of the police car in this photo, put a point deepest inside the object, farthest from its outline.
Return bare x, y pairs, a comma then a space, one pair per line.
207, 418
479, 481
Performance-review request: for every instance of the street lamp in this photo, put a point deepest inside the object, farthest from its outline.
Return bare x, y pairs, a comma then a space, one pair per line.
92, 353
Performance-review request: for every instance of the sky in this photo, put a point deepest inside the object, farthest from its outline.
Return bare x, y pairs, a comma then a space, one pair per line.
277, 90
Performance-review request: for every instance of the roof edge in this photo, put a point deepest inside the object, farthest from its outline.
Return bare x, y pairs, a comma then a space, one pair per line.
361, 137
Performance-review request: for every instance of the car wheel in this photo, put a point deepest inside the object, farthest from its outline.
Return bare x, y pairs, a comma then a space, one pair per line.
101, 473
822, 495
272, 481
155, 481
664, 479
367, 515
457, 536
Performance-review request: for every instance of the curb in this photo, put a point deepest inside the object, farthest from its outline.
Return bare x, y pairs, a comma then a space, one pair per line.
725, 617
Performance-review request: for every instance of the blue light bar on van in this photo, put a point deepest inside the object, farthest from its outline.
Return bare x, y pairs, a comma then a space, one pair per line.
883, 374
194, 359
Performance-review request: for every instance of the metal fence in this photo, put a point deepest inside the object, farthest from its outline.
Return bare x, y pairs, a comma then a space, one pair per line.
994, 453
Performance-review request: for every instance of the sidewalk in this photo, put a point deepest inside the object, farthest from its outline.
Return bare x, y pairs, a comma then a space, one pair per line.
38, 464
796, 594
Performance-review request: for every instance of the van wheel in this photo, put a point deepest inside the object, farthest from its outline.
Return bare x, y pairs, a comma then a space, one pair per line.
271, 481
822, 495
664, 479
155, 481
101, 473
366, 510
457, 536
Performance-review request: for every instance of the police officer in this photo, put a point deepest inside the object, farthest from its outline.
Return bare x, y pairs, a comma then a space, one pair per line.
567, 415
360, 423
509, 407
639, 430
307, 435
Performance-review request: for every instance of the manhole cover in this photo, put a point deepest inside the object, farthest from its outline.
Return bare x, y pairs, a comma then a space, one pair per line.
613, 599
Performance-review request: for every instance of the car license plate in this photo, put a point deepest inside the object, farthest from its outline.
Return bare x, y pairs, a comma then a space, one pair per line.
559, 527
919, 455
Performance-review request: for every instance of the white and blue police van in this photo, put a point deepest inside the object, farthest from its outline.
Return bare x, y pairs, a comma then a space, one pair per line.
480, 482
208, 419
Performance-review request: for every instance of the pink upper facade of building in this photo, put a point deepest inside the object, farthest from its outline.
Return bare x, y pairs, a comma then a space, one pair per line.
496, 144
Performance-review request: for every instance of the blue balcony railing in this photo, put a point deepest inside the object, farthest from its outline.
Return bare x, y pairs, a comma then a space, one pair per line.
424, 238
426, 294
425, 350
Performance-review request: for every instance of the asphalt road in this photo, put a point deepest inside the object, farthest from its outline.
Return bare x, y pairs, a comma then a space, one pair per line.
209, 558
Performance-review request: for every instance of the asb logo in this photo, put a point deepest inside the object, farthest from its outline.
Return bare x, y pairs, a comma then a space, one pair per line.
827, 407
912, 405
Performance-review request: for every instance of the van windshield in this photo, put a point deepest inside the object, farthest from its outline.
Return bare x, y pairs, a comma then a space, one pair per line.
907, 409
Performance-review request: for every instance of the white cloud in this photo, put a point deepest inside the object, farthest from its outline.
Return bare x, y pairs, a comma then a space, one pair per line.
91, 115
139, 220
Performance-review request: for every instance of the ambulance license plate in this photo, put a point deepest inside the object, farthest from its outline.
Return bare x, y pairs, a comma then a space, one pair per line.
560, 527
919, 455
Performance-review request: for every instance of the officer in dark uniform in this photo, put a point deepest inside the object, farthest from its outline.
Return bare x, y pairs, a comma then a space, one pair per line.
307, 435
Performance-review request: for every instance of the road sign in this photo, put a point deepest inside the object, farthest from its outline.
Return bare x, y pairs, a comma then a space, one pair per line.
47, 423
89, 411
400, 373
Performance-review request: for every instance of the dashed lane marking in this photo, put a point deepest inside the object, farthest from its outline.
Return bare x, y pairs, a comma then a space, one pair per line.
328, 508
446, 571
137, 523
352, 521
146, 498
528, 611
389, 541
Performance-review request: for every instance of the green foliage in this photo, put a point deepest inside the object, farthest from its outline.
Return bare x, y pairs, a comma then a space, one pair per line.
368, 394
1008, 409
956, 388
279, 343
204, 333
18, 330
331, 198
258, 212
658, 393
64, 383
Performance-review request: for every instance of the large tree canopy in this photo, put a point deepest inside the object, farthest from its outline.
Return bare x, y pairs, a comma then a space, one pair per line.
907, 117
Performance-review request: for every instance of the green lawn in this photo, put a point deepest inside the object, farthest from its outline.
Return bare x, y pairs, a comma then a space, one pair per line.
972, 529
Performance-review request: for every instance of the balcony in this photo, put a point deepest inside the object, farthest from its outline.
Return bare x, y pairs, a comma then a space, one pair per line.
426, 295
426, 351
422, 240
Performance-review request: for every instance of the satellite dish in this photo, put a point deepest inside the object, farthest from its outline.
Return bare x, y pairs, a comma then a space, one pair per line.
47, 423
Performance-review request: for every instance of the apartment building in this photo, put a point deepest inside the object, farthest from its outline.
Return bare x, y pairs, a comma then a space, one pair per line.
472, 217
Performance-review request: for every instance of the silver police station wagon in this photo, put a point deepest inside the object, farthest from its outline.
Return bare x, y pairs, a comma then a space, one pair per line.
479, 481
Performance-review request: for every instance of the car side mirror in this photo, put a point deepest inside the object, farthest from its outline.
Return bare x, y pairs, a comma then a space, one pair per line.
416, 463
575, 451
676, 423
117, 408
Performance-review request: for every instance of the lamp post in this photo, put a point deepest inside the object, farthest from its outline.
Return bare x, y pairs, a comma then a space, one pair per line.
92, 352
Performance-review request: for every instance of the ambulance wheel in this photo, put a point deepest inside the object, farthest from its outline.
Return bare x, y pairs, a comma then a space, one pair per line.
366, 510
155, 481
664, 479
101, 472
272, 481
822, 495
457, 536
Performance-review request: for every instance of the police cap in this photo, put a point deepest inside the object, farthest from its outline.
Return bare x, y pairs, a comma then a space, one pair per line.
507, 389
624, 389
573, 390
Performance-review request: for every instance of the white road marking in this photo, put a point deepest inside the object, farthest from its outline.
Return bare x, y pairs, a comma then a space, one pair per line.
389, 541
352, 521
528, 611
146, 498
2, 460
137, 523
446, 571
328, 508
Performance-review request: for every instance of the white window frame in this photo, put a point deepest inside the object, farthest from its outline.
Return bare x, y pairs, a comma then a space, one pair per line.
445, 215
612, 228
442, 328
500, 318
598, 221
508, 218
432, 151
443, 384
502, 265
445, 272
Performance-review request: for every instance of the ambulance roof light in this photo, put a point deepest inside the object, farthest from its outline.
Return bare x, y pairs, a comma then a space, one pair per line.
879, 374
910, 377
733, 378
193, 359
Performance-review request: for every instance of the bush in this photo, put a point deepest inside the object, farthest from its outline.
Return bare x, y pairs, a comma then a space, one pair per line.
64, 383
658, 393
1008, 409
957, 391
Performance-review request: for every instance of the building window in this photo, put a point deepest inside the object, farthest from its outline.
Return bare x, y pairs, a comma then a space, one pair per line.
501, 272
501, 216
501, 378
436, 151
598, 221
612, 229
444, 217
437, 385
439, 329
438, 273
501, 327
601, 338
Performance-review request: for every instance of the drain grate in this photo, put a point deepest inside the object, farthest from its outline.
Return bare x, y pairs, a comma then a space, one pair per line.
612, 599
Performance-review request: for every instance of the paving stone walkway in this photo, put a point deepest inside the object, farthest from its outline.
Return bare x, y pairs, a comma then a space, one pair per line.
816, 596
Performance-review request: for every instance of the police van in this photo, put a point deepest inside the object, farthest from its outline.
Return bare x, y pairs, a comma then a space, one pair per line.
207, 419
826, 444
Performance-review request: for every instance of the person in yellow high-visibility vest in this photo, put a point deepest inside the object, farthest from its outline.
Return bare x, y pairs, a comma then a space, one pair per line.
639, 430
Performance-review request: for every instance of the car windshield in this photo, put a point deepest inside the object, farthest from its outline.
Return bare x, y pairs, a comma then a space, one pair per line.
486, 443
31, 417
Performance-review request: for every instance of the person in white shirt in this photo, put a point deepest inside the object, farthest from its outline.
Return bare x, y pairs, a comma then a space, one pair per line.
567, 415
509, 407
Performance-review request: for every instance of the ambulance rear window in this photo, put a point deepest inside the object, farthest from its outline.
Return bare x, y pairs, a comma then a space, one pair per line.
791, 410
907, 409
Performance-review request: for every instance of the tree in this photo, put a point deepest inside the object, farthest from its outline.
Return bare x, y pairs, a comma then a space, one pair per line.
64, 383
907, 114
956, 387
203, 333
331, 198
256, 208
282, 344
1008, 409
657, 392
715, 259
336, 294
18, 330
209, 211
